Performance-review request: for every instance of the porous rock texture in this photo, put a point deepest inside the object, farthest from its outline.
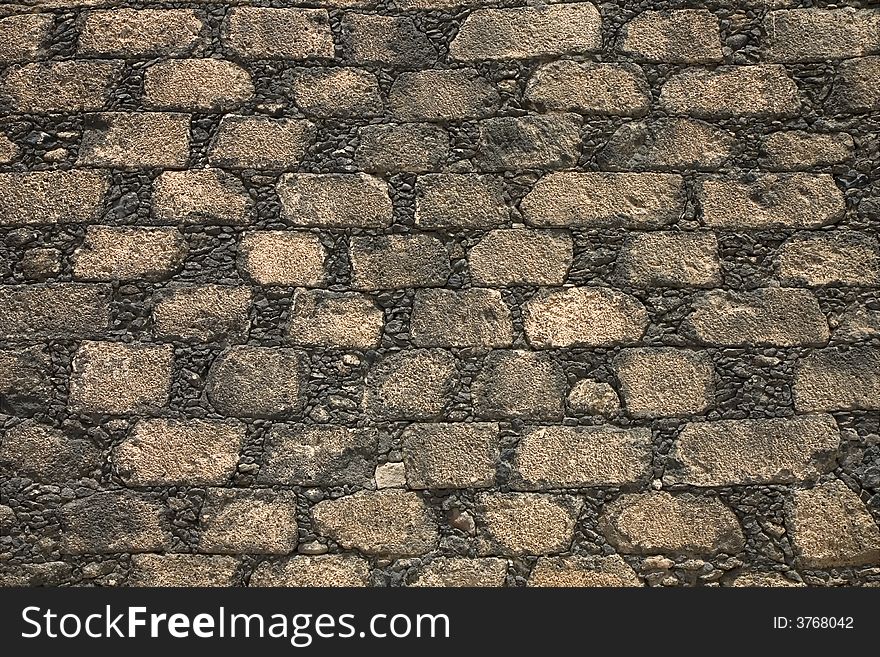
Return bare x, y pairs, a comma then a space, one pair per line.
439, 293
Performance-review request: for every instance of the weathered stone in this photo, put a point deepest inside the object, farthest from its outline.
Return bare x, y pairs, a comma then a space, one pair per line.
796, 200
671, 144
630, 200
583, 572
593, 398
830, 527
451, 200
830, 258
338, 200
659, 382
402, 148
111, 253
527, 523
249, 381
762, 90
113, 521
575, 457
838, 380
461, 318
519, 384
857, 324
762, 580
583, 316
57, 310
763, 451
412, 385
528, 32
337, 92
282, 257
41, 264
135, 33
324, 570
50, 197
398, 261
792, 150
589, 88
319, 455
8, 150
856, 86
140, 140
683, 36
267, 33
200, 196
442, 95
48, 573
813, 35
334, 319
167, 452
201, 85
390, 475
385, 522
23, 37
392, 41
66, 86
182, 570
647, 523
202, 313
461, 571
535, 141
521, 257
784, 317
46, 454
25, 388
252, 521
260, 142
450, 455
670, 259
119, 378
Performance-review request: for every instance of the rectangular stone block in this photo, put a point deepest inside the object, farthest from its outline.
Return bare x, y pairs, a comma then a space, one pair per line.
57, 310
521, 257
842, 257
182, 570
23, 36
582, 572
390, 41
25, 387
196, 196
442, 95
202, 313
114, 522
260, 142
794, 150
453, 200
450, 455
282, 257
401, 148
198, 85
519, 384
670, 259
476, 317
528, 32
335, 200
462, 572
814, 35
856, 86
248, 521
167, 452
535, 141
658, 382
389, 262
590, 88
339, 320
838, 380
337, 570
577, 457
343, 92
140, 33
65, 86
684, 36
51, 197
268, 33
320, 455
118, 253
410, 385
604, 200
142, 140
521, 524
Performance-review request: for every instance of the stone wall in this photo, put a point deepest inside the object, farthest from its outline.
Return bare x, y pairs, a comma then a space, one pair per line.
439, 292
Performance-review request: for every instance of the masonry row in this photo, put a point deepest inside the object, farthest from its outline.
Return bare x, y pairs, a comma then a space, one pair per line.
114, 378
690, 36
829, 526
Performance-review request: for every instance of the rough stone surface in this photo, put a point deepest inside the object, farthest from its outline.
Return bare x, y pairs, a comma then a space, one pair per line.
855, 86
521, 384
670, 259
830, 527
476, 317
71, 86
160, 452
47, 454
198, 196
521, 257
51, 197
386, 40
527, 523
113, 521
449, 200
411, 384
793, 150
830, 258
589, 88
318, 456
450, 455
246, 142
402, 148
769, 316
583, 316
335, 200
50, 311
601, 200
665, 382
550, 141
582, 572
23, 36
341, 92
202, 313
200, 85
334, 319
809, 35
248, 522
119, 378
389, 262
280, 257
323, 570
135, 141
688, 36
646, 523
268, 33
140, 33
386, 522
593, 398
838, 379
774, 451
576, 457
436, 95
458, 571
250, 381
111, 253
182, 570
